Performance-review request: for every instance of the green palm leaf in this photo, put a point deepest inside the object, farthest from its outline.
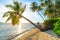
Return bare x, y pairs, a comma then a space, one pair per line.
8, 19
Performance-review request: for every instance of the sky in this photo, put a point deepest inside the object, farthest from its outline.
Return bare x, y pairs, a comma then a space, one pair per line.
33, 16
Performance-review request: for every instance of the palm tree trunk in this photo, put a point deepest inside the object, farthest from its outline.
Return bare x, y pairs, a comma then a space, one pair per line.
40, 15
29, 21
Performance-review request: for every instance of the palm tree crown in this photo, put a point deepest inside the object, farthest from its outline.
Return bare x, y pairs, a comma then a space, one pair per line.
16, 12
34, 7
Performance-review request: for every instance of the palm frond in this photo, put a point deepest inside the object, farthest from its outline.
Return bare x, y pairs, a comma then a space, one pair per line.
16, 5
33, 6
22, 9
39, 8
7, 14
8, 19
10, 6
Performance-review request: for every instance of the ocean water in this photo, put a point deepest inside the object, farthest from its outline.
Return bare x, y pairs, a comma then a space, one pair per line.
7, 31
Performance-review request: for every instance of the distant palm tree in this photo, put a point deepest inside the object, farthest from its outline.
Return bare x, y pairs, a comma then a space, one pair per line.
52, 8
34, 7
16, 12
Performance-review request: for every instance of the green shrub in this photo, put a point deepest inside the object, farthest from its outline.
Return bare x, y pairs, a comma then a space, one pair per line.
48, 24
57, 28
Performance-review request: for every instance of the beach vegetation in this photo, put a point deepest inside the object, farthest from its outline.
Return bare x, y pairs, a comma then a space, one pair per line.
57, 27
48, 24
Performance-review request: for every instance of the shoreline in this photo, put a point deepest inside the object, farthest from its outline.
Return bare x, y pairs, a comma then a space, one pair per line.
22, 33
34, 34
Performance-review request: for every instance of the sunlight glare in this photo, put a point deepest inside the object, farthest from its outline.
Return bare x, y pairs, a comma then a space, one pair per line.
19, 28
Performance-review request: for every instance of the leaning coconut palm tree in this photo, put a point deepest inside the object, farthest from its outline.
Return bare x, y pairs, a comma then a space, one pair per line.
16, 12
34, 7
52, 9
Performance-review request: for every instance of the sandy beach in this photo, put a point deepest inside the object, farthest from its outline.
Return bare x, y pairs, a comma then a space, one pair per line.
35, 34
